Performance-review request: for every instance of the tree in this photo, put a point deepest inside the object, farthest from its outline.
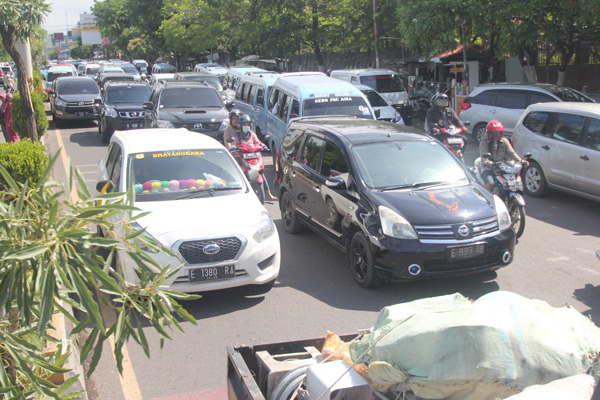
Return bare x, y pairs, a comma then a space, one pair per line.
18, 19
49, 261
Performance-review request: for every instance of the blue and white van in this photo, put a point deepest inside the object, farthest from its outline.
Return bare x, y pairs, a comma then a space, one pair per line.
302, 94
233, 76
252, 97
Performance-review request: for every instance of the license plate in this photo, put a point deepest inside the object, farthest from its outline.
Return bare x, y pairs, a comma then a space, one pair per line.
510, 177
133, 126
465, 252
453, 140
208, 274
250, 156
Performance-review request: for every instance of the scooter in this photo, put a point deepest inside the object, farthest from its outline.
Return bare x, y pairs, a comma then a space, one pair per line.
251, 159
453, 139
509, 187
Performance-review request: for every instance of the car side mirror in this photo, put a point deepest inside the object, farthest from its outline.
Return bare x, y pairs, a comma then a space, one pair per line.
147, 105
97, 101
377, 113
252, 175
51, 91
466, 123
527, 156
105, 187
336, 183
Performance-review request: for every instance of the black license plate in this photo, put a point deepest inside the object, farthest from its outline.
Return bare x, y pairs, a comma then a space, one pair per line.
466, 252
207, 274
133, 126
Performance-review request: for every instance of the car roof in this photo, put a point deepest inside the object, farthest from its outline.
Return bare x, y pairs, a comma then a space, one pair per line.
115, 73
311, 85
75, 78
366, 71
186, 83
560, 106
60, 68
126, 83
265, 77
197, 73
357, 131
163, 139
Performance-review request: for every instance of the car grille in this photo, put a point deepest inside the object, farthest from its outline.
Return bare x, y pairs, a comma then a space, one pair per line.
442, 233
200, 126
131, 114
192, 250
81, 107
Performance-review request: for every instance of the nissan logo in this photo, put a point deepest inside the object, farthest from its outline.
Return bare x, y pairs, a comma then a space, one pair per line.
81, 103
211, 249
197, 126
463, 230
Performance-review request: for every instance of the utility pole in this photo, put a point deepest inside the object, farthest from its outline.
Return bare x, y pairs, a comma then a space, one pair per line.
376, 34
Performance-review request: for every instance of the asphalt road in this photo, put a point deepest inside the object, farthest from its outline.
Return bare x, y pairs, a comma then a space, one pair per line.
555, 261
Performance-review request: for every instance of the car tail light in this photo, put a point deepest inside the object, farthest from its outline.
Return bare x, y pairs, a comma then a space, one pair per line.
465, 106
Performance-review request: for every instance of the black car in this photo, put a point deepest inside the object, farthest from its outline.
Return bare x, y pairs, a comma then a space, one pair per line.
395, 200
73, 98
121, 107
106, 77
212, 80
193, 105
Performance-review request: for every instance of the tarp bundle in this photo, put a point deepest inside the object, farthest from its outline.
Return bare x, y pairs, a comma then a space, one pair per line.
449, 347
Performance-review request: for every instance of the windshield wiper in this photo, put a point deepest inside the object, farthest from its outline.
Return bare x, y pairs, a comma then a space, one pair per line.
417, 185
205, 192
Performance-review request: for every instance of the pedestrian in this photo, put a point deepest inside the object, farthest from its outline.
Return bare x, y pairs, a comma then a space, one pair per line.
7, 127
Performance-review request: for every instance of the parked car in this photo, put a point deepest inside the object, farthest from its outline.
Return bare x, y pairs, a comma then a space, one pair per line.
190, 184
380, 106
506, 102
121, 107
395, 200
74, 98
192, 105
564, 142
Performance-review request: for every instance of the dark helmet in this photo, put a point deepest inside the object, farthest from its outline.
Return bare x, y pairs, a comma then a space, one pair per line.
441, 100
234, 112
244, 118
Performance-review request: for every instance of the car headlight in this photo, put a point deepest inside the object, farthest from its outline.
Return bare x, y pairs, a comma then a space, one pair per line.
224, 124
61, 103
503, 216
141, 242
266, 228
111, 112
395, 225
164, 124
397, 116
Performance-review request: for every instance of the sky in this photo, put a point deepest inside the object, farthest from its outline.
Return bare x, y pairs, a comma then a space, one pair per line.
63, 12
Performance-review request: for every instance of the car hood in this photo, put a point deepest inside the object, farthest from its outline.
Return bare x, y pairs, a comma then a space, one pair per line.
71, 98
192, 114
440, 205
202, 217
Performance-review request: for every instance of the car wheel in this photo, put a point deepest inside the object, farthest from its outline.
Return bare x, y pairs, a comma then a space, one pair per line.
288, 214
362, 263
480, 132
57, 122
106, 134
534, 180
253, 290
100, 126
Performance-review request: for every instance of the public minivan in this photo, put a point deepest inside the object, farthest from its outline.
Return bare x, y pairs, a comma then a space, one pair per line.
302, 94
233, 76
386, 82
162, 68
252, 97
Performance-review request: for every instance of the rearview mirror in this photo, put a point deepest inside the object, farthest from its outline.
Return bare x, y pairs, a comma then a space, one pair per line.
377, 113
105, 187
335, 183
147, 105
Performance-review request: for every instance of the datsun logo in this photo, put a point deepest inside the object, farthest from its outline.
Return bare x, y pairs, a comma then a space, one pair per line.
211, 249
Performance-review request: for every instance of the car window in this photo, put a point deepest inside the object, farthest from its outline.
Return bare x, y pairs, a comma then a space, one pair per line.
540, 98
286, 106
132, 94
311, 152
334, 163
383, 83
568, 128
592, 139
273, 101
115, 173
239, 94
113, 151
375, 99
251, 91
386, 165
260, 96
295, 109
511, 99
77, 87
484, 98
337, 105
568, 94
292, 141
539, 122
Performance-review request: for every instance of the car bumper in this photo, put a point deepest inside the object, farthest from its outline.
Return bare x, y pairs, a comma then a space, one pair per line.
76, 115
257, 264
120, 125
397, 259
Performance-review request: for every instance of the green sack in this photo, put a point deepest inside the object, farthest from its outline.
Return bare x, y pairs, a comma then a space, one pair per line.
451, 348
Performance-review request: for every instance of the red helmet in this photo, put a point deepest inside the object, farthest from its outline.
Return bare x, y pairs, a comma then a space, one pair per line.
495, 126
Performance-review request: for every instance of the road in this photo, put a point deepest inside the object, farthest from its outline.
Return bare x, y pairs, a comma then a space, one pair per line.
555, 261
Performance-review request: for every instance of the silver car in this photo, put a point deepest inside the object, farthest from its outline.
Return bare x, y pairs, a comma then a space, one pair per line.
506, 102
564, 142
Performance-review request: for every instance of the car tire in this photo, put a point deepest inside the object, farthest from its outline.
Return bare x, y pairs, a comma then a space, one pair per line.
291, 223
57, 122
362, 263
105, 134
480, 132
534, 181
253, 290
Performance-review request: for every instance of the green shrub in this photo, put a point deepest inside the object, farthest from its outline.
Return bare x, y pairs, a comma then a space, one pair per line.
19, 124
23, 160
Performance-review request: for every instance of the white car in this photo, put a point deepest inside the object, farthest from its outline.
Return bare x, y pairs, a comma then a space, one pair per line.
386, 112
201, 207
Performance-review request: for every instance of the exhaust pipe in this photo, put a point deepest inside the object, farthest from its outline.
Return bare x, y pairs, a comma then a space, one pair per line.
414, 269
506, 257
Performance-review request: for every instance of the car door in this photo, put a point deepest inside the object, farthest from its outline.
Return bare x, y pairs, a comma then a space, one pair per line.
508, 108
566, 166
590, 179
305, 172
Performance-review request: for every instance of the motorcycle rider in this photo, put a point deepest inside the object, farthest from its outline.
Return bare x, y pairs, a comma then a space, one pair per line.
500, 149
234, 117
440, 115
245, 135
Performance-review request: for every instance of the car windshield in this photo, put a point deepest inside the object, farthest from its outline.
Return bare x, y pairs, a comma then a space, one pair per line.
189, 97
568, 94
406, 164
375, 99
129, 94
166, 69
91, 71
77, 87
337, 105
53, 75
383, 83
169, 175
130, 69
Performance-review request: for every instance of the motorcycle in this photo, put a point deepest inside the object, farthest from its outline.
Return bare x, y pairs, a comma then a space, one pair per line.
509, 187
453, 139
250, 158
